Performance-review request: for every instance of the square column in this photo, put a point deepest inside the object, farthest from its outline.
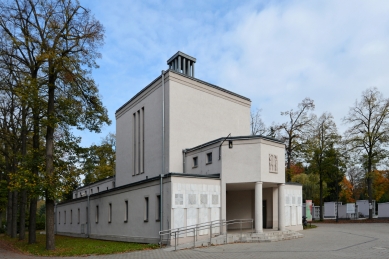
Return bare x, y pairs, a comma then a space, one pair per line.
258, 207
281, 207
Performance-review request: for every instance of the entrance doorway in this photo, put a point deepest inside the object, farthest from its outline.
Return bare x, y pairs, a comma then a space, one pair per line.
264, 214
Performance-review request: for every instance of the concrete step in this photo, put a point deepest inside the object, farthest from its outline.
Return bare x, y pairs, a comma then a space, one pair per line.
273, 236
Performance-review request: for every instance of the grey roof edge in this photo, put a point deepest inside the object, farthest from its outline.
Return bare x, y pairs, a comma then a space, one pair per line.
195, 79
233, 138
209, 176
139, 93
211, 85
179, 53
102, 180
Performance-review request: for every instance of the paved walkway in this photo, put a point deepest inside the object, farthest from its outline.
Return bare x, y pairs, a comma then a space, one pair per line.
326, 241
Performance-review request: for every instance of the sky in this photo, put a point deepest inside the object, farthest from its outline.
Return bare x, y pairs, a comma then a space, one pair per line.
274, 52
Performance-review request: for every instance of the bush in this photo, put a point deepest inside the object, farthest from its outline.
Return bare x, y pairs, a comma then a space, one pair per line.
40, 226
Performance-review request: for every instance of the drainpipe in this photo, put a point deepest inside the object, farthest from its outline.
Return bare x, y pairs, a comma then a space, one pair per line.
88, 224
163, 153
161, 205
183, 160
163, 122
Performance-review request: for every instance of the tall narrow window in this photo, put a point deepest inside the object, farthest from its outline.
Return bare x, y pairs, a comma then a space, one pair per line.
71, 216
158, 216
78, 216
87, 215
209, 158
64, 217
142, 140
146, 209
91, 191
126, 211
98, 189
59, 217
195, 161
110, 213
138, 144
97, 214
134, 141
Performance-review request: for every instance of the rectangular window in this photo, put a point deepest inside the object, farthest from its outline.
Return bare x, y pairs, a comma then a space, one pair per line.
85, 193
113, 184
87, 215
126, 211
195, 161
135, 146
209, 158
91, 191
97, 214
138, 144
71, 216
110, 213
78, 216
59, 217
64, 218
98, 189
158, 209
146, 209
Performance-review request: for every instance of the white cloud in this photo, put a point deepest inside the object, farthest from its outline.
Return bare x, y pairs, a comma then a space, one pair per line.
275, 53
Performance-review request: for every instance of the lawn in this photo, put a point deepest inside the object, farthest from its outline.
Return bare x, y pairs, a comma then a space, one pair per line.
73, 246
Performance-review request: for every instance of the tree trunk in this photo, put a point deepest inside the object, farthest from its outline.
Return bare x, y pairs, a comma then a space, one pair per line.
35, 169
22, 223
14, 214
32, 221
321, 197
9, 214
369, 187
23, 201
50, 237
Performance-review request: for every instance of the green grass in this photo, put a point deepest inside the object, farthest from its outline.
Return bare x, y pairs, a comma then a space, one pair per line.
309, 226
73, 246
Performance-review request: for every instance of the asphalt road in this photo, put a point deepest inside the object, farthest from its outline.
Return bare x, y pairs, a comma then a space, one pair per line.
364, 240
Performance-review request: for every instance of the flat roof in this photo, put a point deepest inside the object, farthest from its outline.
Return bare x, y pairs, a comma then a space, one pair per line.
192, 78
233, 138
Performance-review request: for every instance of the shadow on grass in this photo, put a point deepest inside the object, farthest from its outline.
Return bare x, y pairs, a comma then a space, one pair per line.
73, 246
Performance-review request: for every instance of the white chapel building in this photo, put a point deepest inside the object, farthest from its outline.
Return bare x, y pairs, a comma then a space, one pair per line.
184, 156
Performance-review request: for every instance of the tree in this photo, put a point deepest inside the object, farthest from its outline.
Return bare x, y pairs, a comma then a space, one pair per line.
62, 38
368, 134
99, 161
318, 149
257, 125
294, 131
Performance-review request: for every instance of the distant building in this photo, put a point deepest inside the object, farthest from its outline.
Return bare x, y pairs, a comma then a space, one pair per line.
194, 138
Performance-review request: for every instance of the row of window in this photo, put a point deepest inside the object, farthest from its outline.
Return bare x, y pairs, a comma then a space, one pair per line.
85, 193
126, 212
208, 160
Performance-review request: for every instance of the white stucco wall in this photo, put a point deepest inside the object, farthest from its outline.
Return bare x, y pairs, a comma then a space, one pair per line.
136, 229
293, 207
151, 100
199, 113
194, 201
383, 210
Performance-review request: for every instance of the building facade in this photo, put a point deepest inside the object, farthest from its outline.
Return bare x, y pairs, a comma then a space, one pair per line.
184, 156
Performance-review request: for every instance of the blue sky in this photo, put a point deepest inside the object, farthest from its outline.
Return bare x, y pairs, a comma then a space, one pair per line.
274, 52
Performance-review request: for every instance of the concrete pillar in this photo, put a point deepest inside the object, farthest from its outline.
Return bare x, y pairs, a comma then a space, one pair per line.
258, 208
281, 207
188, 68
179, 64
193, 69
184, 66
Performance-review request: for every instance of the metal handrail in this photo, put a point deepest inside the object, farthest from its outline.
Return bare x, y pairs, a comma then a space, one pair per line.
203, 226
